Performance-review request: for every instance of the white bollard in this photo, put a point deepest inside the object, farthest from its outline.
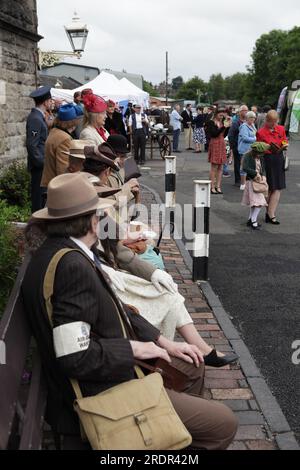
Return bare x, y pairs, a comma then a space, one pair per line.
170, 190
201, 229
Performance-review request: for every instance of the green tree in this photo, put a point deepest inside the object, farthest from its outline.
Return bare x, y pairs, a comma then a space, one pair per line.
235, 87
216, 87
291, 56
267, 73
149, 88
177, 83
193, 89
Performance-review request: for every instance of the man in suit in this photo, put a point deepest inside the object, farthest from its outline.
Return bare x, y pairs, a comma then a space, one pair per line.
87, 342
138, 127
36, 135
187, 121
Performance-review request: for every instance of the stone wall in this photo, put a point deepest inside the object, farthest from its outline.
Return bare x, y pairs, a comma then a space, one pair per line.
18, 72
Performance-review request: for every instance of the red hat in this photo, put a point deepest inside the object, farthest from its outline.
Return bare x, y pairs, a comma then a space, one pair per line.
87, 91
110, 103
94, 103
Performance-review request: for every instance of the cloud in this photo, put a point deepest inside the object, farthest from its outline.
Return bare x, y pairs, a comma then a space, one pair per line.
201, 37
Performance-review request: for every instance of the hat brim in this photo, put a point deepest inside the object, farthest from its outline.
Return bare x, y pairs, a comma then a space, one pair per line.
80, 156
101, 204
122, 151
106, 191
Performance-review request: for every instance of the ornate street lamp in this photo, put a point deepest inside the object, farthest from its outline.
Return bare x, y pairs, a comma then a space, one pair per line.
77, 33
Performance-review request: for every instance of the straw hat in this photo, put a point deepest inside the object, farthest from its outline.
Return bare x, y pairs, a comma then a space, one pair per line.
69, 196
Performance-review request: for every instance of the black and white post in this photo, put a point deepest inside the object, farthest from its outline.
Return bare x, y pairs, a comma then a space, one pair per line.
201, 229
170, 190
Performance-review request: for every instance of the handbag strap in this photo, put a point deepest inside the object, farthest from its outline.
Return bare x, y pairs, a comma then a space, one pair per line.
48, 287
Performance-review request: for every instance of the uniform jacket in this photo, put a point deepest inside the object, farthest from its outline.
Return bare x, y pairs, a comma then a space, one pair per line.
90, 134
36, 135
56, 162
87, 335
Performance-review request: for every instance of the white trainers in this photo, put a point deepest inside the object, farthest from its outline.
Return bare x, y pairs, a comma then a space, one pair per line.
242, 187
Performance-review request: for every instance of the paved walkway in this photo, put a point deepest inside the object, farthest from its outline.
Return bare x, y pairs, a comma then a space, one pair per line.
229, 384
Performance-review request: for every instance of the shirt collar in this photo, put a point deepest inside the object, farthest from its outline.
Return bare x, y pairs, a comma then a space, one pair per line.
83, 247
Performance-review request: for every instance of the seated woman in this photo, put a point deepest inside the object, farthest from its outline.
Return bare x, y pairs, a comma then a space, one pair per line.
150, 290
100, 161
155, 296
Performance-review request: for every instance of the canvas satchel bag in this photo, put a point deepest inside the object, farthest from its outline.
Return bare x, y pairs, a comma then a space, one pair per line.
134, 415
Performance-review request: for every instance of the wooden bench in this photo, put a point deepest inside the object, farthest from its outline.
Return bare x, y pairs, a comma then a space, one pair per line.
21, 406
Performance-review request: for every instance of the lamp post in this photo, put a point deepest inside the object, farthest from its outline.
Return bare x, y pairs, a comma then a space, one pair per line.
77, 33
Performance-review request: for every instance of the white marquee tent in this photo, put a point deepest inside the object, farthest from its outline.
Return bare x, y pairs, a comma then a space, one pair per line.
109, 87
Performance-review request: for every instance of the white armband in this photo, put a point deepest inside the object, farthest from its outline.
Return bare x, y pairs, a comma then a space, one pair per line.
71, 338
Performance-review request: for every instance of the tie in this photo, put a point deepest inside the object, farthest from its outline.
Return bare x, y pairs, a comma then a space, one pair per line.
97, 261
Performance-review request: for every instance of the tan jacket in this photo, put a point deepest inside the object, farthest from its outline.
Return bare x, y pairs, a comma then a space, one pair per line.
56, 162
91, 135
116, 180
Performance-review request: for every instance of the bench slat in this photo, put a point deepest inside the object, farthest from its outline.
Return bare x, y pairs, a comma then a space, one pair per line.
15, 333
32, 431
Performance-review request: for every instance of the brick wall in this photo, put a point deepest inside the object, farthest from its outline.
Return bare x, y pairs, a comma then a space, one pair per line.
18, 63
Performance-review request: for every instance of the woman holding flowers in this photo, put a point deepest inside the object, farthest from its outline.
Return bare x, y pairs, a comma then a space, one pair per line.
275, 136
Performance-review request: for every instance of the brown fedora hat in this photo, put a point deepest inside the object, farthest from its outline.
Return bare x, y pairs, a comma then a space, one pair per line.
76, 149
93, 153
71, 195
102, 189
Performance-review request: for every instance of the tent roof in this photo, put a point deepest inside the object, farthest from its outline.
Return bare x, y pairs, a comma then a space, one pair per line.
109, 87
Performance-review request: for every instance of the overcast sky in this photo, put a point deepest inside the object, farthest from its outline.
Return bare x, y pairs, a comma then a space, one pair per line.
202, 36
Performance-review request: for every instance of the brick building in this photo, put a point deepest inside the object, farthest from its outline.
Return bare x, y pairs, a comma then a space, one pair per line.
18, 74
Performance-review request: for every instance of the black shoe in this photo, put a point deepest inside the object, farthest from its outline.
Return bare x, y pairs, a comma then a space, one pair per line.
213, 360
218, 192
213, 192
249, 223
272, 220
256, 226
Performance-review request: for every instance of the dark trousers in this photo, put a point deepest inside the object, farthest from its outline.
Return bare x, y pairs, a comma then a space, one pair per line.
237, 166
37, 199
139, 142
176, 135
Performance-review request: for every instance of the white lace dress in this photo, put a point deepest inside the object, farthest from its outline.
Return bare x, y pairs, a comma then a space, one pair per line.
165, 311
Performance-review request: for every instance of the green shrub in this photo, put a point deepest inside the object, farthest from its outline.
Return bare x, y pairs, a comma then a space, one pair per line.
9, 255
15, 184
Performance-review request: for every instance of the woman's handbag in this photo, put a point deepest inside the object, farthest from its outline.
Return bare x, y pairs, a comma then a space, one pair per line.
134, 415
260, 186
286, 160
131, 169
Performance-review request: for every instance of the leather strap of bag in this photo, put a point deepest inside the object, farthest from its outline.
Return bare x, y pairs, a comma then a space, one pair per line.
48, 287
